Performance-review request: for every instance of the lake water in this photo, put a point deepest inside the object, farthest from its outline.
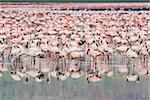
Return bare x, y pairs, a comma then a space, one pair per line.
114, 88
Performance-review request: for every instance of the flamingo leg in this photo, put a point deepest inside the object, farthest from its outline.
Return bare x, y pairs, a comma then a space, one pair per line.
129, 71
34, 61
65, 64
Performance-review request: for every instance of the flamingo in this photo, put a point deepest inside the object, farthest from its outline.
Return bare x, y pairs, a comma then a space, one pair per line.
40, 77
33, 73
20, 73
76, 72
15, 76
15, 50
148, 43
3, 47
142, 69
68, 41
93, 78
62, 73
61, 76
131, 53
122, 48
35, 52
131, 76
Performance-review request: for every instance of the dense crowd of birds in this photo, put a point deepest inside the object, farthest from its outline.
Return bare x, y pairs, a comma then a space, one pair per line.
64, 40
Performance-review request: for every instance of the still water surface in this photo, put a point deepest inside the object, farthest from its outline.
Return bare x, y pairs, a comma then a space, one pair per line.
114, 88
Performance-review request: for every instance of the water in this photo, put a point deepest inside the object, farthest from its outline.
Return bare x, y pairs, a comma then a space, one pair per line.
114, 88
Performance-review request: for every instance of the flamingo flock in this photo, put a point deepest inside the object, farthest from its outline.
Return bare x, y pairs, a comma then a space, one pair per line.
57, 44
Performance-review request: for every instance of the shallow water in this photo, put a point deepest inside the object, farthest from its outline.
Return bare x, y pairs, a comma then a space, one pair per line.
114, 88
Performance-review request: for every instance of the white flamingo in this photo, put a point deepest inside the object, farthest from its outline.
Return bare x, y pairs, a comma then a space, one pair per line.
131, 76
142, 69
15, 76
93, 78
